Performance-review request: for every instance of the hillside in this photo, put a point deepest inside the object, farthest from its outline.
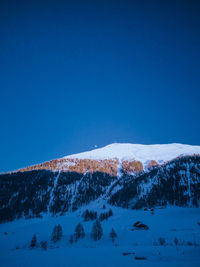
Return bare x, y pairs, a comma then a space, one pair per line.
154, 247
32, 193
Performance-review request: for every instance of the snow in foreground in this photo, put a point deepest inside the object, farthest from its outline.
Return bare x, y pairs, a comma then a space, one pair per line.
168, 223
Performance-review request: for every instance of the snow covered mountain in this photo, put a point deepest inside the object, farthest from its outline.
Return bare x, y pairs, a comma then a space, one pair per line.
131, 158
126, 175
143, 153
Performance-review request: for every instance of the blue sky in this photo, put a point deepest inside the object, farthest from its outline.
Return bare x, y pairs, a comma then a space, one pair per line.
75, 74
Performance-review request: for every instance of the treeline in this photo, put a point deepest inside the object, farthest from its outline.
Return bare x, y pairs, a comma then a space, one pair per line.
79, 233
92, 215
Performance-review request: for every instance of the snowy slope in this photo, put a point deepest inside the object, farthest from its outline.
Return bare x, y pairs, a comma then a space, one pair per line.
169, 223
143, 153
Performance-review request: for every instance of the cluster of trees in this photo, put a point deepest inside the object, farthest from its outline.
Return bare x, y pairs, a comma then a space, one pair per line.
63, 194
57, 234
176, 242
28, 193
105, 215
92, 215
34, 243
96, 233
24, 194
92, 186
174, 183
89, 215
79, 233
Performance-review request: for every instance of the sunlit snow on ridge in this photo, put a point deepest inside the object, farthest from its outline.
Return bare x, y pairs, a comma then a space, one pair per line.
143, 153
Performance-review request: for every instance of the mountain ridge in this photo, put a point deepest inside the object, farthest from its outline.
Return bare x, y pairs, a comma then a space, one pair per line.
132, 158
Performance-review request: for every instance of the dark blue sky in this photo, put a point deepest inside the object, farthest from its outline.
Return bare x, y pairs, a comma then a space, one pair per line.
75, 74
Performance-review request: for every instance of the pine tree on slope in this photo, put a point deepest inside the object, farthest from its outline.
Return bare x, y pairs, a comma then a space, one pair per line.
113, 235
79, 232
97, 231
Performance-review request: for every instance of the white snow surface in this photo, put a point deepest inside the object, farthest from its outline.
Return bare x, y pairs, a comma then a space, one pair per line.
168, 223
143, 153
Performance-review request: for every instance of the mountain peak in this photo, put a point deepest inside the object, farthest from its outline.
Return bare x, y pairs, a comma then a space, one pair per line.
111, 159
143, 153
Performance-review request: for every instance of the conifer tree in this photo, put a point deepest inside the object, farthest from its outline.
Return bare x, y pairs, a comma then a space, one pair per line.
59, 232
176, 241
71, 239
110, 213
97, 231
113, 235
54, 234
86, 215
79, 232
33, 241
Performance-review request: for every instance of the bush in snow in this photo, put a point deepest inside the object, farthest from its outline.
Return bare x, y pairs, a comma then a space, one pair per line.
97, 231
71, 239
43, 245
33, 243
57, 233
176, 241
79, 232
162, 241
113, 235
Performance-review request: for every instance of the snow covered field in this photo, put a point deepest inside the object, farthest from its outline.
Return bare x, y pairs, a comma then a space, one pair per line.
168, 223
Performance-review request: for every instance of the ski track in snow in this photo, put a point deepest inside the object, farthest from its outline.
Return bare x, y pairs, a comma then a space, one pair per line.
76, 188
188, 178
